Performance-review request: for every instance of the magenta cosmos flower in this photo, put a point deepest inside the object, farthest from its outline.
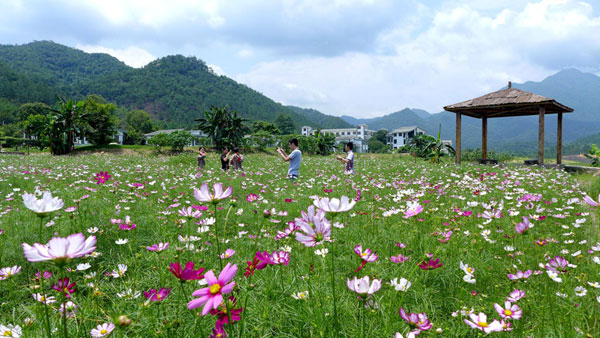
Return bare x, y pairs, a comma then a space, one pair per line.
212, 295
188, 273
43, 206
432, 264
157, 295
190, 212
366, 254
102, 177
418, 321
413, 209
557, 264
509, 311
63, 286
399, 259
102, 330
523, 226
60, 249
335, 205
204, 195
251, 197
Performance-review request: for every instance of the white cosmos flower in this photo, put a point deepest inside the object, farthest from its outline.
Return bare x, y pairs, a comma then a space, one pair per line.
335, 205
121, 241
401, 285
580, 291
43, 206
83, 266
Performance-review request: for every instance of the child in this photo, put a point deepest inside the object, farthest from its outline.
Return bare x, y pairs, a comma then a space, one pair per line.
237, 159
295, 158
201, 158
349, 160
225, 159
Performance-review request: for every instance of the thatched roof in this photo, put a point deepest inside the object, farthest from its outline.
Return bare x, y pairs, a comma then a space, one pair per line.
507, 102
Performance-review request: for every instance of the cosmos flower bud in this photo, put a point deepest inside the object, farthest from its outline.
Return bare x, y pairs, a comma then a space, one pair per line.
266, 213
123, 320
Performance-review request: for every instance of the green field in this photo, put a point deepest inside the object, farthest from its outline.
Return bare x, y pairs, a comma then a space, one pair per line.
481, 207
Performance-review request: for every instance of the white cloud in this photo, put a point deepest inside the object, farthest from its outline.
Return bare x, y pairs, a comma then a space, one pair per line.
462, 53
132, 56
216, 69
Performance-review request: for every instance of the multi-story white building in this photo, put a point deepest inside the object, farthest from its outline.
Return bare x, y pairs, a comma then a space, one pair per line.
358, 135
398, 137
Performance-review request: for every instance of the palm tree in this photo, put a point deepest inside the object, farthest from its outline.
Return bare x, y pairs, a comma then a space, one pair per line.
223, 126
63, 126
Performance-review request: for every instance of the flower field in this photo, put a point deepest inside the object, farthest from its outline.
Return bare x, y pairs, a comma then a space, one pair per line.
145, 246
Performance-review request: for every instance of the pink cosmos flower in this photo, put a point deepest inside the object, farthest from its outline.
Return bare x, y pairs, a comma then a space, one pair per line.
491, 214
188, 273
102, 330
480, 322
157, 295
413, 209
60, 249
102, 177
418, 321
557, 264
251, 197
335, 205
190, 212
227, 254
515, 295
309, 236
204, 195
212, 295
520, 275
591, 202
365, 255
445, 236
523, 226
399, 259
363, 286
286, 232
280, 257
509, 311
158, 247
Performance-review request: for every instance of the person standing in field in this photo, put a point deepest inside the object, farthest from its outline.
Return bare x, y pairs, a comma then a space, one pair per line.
225, 159
349, 160
295, 158
201, 158
237, 159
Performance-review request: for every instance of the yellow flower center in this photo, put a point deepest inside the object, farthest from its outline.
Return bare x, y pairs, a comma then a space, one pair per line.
8, 273
8, 333
363, 254
103, 331
483, 324
42, 299
214, 289
158, 296
66, 290
508, 312
469, 270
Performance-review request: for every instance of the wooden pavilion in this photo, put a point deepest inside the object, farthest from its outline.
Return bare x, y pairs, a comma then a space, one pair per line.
505, 103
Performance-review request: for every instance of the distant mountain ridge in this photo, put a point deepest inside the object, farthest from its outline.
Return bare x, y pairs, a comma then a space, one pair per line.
173, 89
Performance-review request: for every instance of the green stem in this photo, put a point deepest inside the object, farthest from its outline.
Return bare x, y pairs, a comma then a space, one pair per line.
40, 230
65, 331
45, 305
227, 220
332, 253
217, 239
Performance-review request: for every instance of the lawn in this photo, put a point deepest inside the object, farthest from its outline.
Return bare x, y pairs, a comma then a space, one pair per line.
446, 243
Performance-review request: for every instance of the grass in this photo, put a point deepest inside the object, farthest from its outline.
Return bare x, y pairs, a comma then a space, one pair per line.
151, 189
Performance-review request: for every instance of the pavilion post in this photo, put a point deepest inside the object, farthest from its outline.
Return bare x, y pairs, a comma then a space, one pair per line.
484, 138
559, 139
458, 152
542, 113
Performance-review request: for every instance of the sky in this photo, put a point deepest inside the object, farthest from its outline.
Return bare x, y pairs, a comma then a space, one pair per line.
362, 58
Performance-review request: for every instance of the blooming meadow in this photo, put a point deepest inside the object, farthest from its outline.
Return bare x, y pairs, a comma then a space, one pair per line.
142, 246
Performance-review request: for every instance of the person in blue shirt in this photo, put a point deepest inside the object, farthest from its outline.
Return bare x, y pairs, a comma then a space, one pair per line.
294, 158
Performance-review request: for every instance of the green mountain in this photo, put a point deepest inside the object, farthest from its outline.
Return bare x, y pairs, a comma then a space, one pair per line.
403, 118
173, 89
319, 119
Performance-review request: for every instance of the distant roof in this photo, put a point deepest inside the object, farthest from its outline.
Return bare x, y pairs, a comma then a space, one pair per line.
169, 131
405, 129
507, 102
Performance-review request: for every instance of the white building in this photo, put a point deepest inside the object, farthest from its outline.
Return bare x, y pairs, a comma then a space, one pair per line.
398, 137
358, 135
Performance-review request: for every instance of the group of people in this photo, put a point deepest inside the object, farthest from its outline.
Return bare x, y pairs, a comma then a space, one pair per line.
294, 158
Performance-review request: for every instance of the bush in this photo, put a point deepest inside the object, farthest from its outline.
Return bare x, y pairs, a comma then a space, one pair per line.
472, 155
179, 139
594, 155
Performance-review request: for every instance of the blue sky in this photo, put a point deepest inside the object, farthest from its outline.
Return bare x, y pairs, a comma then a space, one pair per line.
355, 57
